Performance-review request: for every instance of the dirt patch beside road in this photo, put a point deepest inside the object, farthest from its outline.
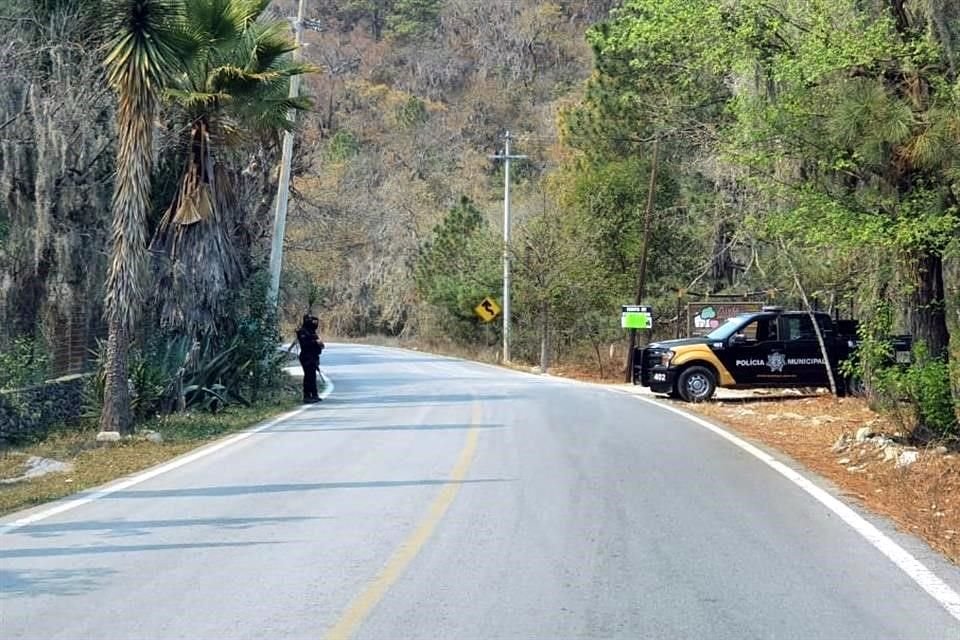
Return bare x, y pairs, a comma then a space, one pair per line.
921, 496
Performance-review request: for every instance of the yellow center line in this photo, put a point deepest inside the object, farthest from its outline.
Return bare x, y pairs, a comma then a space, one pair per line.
364, 603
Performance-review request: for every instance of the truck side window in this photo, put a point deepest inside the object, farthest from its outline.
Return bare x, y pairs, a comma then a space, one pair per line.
760, 330
767, 330
800, 328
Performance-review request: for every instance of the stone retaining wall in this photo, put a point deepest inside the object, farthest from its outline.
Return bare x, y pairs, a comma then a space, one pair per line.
28, 414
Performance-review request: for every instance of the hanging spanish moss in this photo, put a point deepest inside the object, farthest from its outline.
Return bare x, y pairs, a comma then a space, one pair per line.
56, 167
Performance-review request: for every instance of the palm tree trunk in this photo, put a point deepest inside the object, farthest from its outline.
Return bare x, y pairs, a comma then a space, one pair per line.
116, 415
128, 260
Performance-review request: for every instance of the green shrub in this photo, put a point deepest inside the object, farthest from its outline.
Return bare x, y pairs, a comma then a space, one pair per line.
255, 335
874, 351
342, 146
149, 376
23, 363
930, 390
411, 113
919, 396
150, 381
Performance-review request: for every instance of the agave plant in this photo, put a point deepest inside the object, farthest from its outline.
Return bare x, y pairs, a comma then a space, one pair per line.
233, 88
177, 373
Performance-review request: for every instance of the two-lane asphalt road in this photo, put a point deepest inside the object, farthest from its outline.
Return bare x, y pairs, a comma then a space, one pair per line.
434, 498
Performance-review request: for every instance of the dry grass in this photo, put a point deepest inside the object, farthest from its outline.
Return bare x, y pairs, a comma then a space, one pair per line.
92, 466
612, 372
921, 498
95, 464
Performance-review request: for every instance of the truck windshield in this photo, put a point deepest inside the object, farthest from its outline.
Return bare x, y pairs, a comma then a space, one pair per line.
727, 329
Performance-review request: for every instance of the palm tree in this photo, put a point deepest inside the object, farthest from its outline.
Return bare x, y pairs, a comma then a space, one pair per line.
233, 88
149, 40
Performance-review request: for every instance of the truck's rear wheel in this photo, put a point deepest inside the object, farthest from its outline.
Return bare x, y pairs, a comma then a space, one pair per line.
696, 384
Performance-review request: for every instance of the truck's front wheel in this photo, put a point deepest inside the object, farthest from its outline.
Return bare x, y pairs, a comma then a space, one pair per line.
696, 384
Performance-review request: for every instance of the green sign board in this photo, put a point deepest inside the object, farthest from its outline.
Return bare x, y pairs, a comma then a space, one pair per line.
636, 316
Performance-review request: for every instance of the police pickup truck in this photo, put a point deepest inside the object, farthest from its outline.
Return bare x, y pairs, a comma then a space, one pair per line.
769, 348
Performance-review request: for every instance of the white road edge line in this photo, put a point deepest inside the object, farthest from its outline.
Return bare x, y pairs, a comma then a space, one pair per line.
916, 570
70, 504
903, 559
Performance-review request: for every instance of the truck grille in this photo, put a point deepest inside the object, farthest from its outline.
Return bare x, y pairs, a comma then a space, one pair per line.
640, 372
644, 360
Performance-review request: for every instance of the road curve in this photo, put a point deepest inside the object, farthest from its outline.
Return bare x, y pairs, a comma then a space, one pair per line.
435, 498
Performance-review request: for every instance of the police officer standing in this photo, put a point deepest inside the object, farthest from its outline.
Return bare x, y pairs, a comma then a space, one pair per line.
310, 349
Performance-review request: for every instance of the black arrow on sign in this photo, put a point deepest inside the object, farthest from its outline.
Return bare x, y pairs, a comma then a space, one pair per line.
488, 307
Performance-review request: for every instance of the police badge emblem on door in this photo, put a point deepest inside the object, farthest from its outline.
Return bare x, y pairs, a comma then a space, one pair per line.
776, 362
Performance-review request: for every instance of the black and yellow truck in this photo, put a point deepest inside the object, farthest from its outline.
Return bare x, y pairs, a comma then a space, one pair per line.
769, 348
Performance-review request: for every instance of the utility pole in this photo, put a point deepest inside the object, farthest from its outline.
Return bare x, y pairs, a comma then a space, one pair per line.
283, 189
642, 275
506, 157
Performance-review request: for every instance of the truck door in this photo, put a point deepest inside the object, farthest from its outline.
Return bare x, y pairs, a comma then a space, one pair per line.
804, 359
754, 354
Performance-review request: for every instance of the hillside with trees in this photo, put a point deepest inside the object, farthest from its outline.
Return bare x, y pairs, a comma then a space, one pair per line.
804, 153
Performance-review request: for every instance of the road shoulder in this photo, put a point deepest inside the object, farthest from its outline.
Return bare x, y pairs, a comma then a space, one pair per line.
92, 468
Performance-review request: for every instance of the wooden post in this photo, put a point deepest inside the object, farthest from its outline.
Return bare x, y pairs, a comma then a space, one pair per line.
642, 276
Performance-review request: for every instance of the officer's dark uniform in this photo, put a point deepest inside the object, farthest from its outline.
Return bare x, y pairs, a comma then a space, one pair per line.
310, 349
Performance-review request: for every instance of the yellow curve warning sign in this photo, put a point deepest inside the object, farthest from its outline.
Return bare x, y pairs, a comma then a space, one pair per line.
488, 310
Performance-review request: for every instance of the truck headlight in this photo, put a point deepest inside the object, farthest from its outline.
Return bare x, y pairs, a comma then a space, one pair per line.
666, 357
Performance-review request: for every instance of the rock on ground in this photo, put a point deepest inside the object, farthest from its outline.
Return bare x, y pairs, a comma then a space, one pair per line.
907, 458
36, 467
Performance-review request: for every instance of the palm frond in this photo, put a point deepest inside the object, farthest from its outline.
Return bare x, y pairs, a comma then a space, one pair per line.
232, 78
239, 79
269, 44
219, 20
273, 115
253, 9
150, 40
196, 103
246, 85
228, 132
